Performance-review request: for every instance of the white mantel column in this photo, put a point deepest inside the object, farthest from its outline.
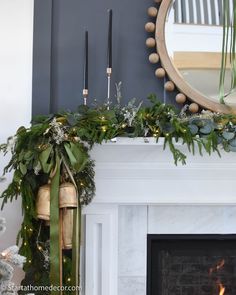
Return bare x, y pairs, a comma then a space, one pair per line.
101, 254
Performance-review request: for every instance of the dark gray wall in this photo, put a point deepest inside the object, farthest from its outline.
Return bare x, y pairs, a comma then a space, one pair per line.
59, 51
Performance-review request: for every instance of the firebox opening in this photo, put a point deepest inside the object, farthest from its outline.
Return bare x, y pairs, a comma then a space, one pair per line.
191, 264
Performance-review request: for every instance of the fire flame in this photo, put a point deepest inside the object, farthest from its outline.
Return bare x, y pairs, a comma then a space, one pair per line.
222, 289
221, 264
216, 269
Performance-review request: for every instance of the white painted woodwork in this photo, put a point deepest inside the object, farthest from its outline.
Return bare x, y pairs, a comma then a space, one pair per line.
135, 173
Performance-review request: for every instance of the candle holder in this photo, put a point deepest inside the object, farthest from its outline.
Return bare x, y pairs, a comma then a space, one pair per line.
109, 73
85, 96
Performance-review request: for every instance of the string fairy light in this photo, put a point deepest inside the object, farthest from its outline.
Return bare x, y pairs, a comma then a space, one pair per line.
43, 248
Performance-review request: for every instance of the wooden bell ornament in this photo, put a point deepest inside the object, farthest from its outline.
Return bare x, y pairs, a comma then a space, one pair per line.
67, 203
67, 228
67, 195
43, 202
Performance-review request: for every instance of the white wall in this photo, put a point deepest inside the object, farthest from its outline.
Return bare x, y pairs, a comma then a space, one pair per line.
16, 35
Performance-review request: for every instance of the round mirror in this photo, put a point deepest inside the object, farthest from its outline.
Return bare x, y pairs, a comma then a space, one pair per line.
189, 42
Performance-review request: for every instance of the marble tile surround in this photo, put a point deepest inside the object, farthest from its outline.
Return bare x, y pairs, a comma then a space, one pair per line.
135, 222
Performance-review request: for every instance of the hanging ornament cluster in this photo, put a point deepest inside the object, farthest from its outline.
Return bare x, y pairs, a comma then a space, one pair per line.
68, 201
154, 57
64, 221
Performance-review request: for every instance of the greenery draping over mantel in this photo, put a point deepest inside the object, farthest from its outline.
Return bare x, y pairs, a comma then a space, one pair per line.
58, 145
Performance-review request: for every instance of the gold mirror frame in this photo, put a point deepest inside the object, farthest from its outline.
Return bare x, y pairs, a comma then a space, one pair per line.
185, 89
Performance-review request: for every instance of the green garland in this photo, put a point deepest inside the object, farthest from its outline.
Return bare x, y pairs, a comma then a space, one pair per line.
69, 137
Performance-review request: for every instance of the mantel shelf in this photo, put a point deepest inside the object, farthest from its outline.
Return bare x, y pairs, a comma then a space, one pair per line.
136, 171
149, 150
136, 141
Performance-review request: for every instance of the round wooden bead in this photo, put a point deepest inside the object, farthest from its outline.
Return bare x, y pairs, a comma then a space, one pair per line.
180, 98
152, 11
154, 58
150, 27
160, 73
150, 42
193, 107
169, 86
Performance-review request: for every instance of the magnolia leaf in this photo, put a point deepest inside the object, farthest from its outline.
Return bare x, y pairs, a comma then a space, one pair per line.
17, 176
80, 155
23, 168
21, 129
71, 156
77, 156
28, 155
44, 158
71, 120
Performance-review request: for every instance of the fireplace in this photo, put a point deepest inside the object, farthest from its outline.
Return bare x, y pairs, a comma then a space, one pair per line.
139, 191
191, 264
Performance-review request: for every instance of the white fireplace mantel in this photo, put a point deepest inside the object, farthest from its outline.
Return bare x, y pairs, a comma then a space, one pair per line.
135, 171
139, 172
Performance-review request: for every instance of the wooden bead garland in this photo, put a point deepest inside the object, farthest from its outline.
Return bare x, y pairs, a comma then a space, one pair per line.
193, 107
169, 86
150, 42
150, 27
180, 98
154, 58
160, 73
152, 11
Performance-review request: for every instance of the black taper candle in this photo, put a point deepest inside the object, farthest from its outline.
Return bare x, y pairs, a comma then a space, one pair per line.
109, 50
86, 61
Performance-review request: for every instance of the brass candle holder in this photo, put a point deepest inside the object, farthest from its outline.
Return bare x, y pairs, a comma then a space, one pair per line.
85, 96
109, 73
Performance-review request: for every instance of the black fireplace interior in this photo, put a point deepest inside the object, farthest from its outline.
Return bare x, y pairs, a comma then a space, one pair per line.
191, 265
